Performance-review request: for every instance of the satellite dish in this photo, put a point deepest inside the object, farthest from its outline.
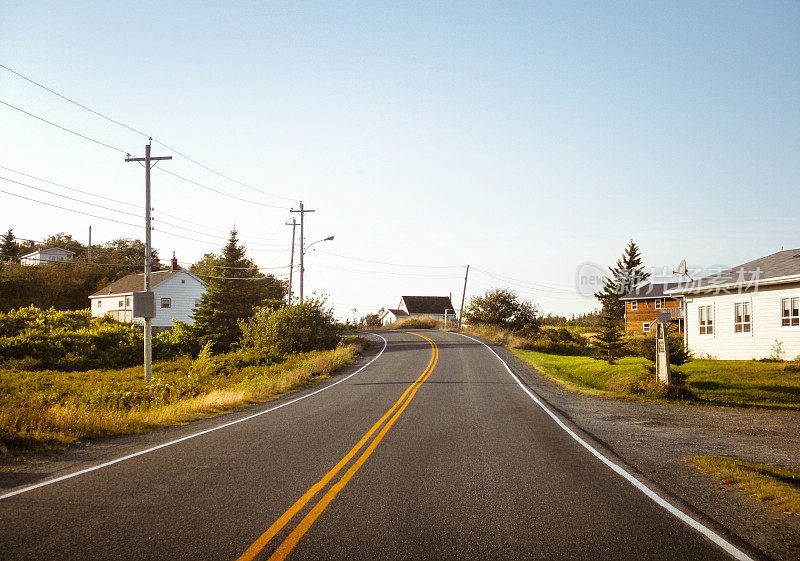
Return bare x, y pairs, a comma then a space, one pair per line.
682, 269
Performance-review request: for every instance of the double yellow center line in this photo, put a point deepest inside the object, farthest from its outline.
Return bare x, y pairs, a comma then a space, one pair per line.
288, 544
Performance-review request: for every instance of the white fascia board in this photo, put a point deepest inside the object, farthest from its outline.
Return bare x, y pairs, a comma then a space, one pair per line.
712, 287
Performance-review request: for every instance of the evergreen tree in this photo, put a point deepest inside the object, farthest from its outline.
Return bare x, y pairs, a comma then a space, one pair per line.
228, 300
609, 339
626, 276
9, 248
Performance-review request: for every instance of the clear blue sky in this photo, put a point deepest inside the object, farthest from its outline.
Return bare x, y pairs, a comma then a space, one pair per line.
522, 138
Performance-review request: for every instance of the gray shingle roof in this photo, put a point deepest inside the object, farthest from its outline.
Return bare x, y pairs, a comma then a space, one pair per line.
134, 283
776, 266
427, 304
650, 290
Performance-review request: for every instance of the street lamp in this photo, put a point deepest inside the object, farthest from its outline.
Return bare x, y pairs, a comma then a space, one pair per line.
303, 251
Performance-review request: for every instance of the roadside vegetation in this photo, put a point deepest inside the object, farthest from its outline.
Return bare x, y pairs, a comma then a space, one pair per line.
66, 376
778, 486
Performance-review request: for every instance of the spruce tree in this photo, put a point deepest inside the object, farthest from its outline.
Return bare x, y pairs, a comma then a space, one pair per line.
625, 276
609, 339
228, 300
9, 248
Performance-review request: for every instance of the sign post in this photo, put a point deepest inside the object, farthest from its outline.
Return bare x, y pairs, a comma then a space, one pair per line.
663, 374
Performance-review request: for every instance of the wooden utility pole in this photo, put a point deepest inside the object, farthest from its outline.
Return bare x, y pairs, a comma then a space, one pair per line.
148, 263
293, 224
302, 212
463, 296
89, 249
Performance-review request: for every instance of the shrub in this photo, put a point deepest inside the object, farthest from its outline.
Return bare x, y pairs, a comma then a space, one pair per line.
560, 341
292, 329
502, 308
646, 347
181, 340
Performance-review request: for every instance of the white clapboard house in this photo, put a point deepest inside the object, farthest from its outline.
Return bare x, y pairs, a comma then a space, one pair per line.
747, 312
47, 255
436, 307
177, 294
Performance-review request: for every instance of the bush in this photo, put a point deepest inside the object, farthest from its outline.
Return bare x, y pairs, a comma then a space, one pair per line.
560, 341
646, 347
181, 340
45, 339
292, 329
502, 308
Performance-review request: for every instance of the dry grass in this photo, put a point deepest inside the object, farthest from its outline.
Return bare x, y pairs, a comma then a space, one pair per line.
28, 424
780, 487
424, 322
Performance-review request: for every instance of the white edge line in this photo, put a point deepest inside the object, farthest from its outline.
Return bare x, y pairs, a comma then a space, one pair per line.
195, 435
724, 544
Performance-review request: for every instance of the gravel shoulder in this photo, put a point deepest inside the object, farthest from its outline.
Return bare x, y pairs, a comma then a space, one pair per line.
655, 438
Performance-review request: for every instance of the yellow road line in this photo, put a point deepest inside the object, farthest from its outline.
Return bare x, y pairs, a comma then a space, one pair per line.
284, 519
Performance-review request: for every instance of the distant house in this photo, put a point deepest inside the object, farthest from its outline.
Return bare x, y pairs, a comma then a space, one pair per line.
177, 294
47, 255
645, 302
436, 307
749, 311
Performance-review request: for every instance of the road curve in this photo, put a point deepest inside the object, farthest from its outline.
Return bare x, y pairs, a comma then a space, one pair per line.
433, 451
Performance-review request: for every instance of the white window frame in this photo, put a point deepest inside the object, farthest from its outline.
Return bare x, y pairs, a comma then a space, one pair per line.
168, 301
745, 324
659, 303
99, 304
634, 305
121, 303
646, 325
711, 323
780, 312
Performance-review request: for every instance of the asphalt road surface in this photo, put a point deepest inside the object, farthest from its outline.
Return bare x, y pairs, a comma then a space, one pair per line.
432, 451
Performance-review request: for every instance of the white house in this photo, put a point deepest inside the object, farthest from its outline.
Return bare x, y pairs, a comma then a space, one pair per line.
47, 255
177, 294
750, 311
436, 307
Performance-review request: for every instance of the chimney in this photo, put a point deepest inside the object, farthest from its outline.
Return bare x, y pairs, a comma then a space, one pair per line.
173, 266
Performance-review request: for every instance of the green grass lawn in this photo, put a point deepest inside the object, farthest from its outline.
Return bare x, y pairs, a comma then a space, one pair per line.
713, 382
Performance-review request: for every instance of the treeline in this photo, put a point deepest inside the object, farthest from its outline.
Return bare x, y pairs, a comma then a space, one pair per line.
591, 319
66, 285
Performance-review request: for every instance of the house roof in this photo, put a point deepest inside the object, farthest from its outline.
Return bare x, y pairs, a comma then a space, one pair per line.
47, 250
777, 268
397, 313
427, 304
135, 282
650, 290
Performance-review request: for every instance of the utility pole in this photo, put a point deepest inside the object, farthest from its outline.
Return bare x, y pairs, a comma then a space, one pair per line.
463, 296
148, 263
293, 224
89, 250
302, 212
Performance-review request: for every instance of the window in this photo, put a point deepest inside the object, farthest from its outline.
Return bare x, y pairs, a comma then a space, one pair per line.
196, 302
790, 312
634, 305
121, 304
706, 319
166, 302
646, 327
658, 303
127, 301
99, 303
742, 319
183, 281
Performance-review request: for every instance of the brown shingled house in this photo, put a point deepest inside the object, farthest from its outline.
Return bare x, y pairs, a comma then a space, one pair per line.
644, 303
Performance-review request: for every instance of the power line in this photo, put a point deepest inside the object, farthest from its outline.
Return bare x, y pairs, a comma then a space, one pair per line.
65, 98
392, 264
70, 188
132, 129
527, 284
71, 198
222, 174
223, 193
64, 128
392, 273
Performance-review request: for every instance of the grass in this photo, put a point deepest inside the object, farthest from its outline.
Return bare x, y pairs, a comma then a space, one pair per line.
52, 408
780, 487
743, 383
628, 376
711, 382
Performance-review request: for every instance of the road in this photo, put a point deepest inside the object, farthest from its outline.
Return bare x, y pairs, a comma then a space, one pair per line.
432, 451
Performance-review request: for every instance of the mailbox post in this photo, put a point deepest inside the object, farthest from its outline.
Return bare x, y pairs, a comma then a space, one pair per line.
663, 374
